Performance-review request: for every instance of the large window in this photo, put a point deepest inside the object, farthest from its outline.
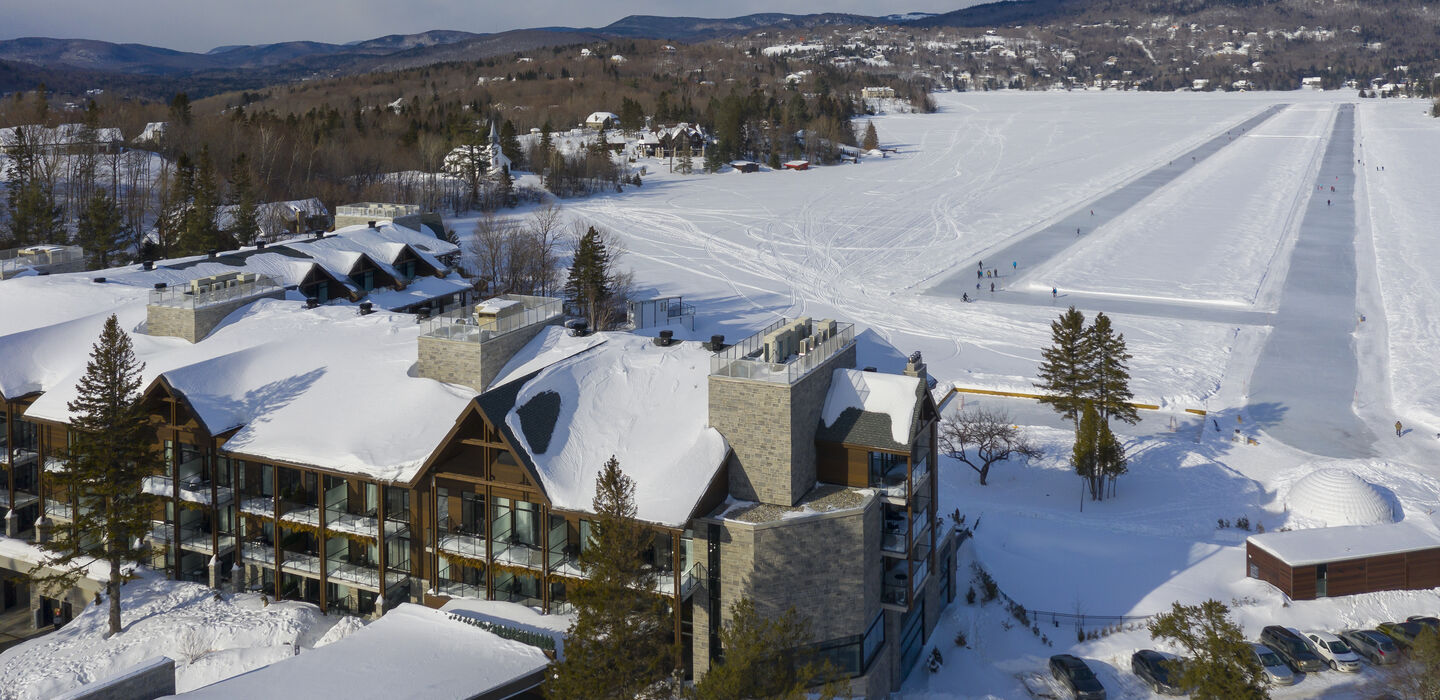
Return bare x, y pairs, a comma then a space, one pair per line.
887, 469
847, 657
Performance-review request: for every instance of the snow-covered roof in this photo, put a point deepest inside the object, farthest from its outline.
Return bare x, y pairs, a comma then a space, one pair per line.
300, 385
1334, 497
411, 651
1327, 544
895, 397
613, 394
273, 216
598, 117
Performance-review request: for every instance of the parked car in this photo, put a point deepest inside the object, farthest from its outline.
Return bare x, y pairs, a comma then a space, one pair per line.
1292, 647
1374, 646
1334, 651
1403, 633
1075, 675
1159, 671
1432, 622
1275, 669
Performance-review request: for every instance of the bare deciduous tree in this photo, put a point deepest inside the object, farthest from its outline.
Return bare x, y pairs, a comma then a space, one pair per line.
980, 437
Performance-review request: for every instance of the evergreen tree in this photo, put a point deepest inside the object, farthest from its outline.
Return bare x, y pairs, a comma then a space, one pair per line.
1220, 664
32, 213
547, 145
509, 143
632, 115
589, 283
110, 453
619, 647
684, 162
505, 188
199, 232
714, 161
872, 139
1066, 366
1085, 453
755, 662
102, 230
1110, 457
1110, 372
245, 224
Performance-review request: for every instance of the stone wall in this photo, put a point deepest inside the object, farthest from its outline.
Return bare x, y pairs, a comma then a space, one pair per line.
194, 324
473, 364
771, 426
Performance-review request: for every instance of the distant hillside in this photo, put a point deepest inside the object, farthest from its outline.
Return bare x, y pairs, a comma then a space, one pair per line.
700, 28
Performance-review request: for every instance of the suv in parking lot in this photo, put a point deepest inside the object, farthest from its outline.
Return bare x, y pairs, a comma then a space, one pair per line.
1404, 633
1291, 647
1159, 671
1373, 645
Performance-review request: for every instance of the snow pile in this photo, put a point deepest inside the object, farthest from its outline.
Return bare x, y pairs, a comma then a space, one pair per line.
412, 651
1335, 497
551, 345
647, 405
893, 395
209, 639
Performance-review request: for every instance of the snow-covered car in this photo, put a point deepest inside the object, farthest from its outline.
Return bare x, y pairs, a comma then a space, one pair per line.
1072, 672
1158, 670
1334, 651
1276, 670
1372, 645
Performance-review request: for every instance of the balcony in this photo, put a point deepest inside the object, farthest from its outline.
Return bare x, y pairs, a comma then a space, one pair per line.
354, 573
458, 543
200, 539
59, 510
896, 536
567, 565
260, 507
257, 553
455, 589
22, 499
300, 514
22, 457
465, 326
303, 563
161, 532
193, 489
351, 523
520, 555
219, 289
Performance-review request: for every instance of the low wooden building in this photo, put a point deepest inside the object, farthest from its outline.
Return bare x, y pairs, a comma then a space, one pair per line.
1334, 561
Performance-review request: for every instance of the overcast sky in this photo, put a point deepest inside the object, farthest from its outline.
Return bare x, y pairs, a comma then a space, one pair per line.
200, 25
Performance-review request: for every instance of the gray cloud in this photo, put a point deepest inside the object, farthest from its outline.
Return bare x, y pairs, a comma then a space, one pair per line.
199, 25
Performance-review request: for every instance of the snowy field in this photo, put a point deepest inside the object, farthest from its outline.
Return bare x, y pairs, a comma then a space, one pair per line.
1194, 274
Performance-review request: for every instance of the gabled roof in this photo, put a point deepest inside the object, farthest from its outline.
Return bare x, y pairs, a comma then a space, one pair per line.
871, 409
623, 396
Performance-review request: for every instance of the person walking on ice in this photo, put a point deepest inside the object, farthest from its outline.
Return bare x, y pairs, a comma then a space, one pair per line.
1397, 428
1054, 293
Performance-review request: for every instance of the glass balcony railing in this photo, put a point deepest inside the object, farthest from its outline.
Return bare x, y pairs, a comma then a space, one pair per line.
455, 589
193, 489
354, 572
520, 555
304, 563
257, 553
459, 543
364, 525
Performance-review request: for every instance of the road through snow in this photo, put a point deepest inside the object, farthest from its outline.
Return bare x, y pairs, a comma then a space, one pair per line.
1304, 382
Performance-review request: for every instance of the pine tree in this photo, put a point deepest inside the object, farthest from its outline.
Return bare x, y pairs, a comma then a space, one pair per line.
505, 188
1066, 366
1220, 665
245, 224
110, 453
509, 144
1085, 454
1109, 455
755, 663
1110, 372
199, 232
589, 283
32, 213
632, 115
872, 139
619, 646
102, 230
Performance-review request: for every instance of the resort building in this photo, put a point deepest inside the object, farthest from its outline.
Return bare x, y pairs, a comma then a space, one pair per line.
360, 459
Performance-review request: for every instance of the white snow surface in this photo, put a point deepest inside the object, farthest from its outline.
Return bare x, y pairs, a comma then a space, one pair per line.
276, 368
893, 395
646, 405
411, 651
550, 345
1335, 497
209, 639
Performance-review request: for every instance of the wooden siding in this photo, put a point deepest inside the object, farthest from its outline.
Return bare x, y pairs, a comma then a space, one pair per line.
1341, 578
1302, 582
1385, 573
1422, 569
836, 463
1270, 569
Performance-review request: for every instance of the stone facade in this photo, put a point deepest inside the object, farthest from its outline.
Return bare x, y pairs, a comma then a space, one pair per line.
771, 426
473, 364
152, 678
193, 324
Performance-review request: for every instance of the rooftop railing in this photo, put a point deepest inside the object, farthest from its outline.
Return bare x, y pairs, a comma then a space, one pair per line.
461, 324
746, 359
13, 260
186, 297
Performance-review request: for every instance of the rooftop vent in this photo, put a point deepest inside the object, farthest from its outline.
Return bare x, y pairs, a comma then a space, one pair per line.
422, 314
311, 302
98, 280
871, 369
212, 253
148, 265
716, 344
666, 339
159, 285
319, 235
259, 245
372, 224
578, 326
366, 308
